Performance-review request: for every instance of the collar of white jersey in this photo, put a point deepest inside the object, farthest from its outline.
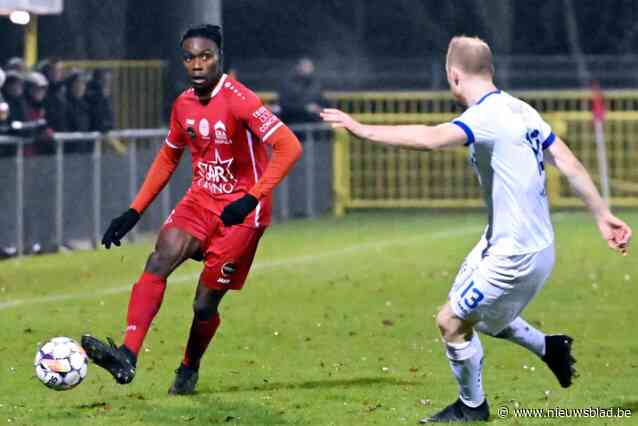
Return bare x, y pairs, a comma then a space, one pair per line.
218, 86
493, 92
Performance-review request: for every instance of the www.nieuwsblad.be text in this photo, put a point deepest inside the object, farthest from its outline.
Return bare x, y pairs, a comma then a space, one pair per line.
559, 412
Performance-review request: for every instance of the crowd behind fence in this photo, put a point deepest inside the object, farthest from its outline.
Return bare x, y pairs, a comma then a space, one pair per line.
66, 200
66, 197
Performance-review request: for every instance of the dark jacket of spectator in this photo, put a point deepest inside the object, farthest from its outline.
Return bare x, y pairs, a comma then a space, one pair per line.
4, 107
36, 86
5, 150
78, 118
98, 98
4, 115
55, 103
300, 97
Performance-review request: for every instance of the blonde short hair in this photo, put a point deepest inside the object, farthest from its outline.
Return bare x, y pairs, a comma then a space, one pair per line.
471, 54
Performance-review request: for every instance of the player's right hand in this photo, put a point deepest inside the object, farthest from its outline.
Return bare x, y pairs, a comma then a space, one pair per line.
616, 232
340, 120
119, 227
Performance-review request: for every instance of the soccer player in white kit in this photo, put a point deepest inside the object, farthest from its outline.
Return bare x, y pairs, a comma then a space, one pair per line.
509, 145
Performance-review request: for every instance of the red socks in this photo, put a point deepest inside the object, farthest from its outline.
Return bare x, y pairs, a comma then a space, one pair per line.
201, 334
146, 299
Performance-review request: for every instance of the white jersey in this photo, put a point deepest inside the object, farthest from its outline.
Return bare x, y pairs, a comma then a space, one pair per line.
506, 138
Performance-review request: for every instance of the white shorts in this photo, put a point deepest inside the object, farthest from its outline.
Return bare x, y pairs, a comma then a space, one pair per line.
495, 289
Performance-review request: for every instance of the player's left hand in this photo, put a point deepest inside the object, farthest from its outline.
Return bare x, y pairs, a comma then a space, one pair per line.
340, 120
234, 213
119, 227
616, 232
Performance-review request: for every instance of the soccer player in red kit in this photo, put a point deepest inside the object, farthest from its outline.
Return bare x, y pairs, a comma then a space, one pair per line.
221, 217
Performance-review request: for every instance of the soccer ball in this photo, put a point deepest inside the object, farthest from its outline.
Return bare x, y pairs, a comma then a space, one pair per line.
61, 363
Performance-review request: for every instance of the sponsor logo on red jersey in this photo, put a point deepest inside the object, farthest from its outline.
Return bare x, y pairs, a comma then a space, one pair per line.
266, 118
215, 176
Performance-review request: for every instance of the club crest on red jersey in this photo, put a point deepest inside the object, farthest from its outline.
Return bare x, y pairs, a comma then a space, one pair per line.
204, 128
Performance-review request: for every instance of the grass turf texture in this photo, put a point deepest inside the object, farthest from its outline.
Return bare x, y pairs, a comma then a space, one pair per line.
335, 326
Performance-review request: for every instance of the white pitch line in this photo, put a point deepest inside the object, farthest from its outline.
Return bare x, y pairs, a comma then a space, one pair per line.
180, 279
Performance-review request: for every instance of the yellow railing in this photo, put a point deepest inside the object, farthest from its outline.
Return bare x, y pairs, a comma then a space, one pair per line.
138, 93
396, 102
371, 176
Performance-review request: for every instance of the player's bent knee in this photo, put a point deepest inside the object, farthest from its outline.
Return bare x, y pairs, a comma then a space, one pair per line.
444, 320
452, 328
204, 309
206, 303
203, 312
160, 263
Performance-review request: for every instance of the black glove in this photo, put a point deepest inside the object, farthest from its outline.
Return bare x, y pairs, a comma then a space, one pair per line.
119, 227
234, 213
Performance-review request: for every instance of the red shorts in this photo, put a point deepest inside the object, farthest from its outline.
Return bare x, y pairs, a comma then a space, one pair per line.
228, 251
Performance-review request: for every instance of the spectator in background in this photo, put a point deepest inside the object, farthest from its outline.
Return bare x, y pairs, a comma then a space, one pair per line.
16, 64
55, 103
35, 89
300, 97
7, 249
77, 114
4, 108
36, 85
98, 98
13, 93
78, 117
5, 150
37, 225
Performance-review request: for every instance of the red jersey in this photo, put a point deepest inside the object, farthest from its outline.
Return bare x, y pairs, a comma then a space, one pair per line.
227, 139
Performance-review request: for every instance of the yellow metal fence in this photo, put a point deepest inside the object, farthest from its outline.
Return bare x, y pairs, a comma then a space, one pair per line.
371, 176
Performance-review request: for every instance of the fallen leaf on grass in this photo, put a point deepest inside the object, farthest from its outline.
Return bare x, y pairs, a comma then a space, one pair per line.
374, 407
100, 404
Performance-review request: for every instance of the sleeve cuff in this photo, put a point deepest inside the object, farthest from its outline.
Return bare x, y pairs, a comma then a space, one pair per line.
173, 145
467, 130
549, 141
271, 131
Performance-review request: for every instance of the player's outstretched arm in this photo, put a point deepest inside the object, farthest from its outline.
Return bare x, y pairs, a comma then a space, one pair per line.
616, 232
158, 175
419, 137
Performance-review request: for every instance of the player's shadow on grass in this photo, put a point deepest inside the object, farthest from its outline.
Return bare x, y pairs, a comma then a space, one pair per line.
344, 383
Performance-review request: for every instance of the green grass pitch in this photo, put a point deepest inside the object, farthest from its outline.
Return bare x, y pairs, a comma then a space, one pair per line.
335, 326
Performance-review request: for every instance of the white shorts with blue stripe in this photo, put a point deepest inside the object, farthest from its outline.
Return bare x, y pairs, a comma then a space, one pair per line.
494, 289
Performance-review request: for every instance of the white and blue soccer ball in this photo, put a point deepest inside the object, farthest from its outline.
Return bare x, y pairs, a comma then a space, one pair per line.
61, 363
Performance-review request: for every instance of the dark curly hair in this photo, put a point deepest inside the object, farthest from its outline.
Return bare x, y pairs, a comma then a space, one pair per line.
211, 32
